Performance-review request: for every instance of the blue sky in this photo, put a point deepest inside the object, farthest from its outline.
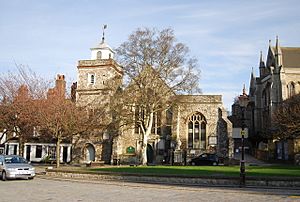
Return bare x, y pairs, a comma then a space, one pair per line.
225, 36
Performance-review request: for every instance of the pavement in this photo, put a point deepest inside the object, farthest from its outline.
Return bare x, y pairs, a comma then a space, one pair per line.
41, 189
250, 160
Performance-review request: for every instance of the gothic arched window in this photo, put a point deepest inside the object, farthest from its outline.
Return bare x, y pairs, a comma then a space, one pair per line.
291, 89
197, 131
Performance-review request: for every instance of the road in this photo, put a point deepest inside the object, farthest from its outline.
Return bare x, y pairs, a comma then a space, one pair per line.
48, 189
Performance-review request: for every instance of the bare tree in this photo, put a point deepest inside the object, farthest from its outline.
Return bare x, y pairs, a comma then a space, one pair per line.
17, 91
10, 83
156, 67
286, 119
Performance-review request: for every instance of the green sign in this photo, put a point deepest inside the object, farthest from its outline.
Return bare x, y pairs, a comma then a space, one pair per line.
130, 150
243, 132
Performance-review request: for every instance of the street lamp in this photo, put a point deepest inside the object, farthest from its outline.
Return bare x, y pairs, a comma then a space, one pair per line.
243, 102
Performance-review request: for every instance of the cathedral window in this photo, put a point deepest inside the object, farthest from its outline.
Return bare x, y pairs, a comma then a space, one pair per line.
197, 132
266, 96
99, 55
291, 89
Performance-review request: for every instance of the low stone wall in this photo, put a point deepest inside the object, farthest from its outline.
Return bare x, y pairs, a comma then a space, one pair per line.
179, 180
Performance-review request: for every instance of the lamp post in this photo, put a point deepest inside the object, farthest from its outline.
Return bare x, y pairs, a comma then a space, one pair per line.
243, 102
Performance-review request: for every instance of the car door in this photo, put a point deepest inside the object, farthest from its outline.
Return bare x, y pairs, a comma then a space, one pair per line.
1, 163
203, 159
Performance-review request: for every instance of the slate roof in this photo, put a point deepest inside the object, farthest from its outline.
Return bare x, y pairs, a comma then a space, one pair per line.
290, 57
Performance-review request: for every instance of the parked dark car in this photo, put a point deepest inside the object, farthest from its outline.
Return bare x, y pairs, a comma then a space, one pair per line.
205, 159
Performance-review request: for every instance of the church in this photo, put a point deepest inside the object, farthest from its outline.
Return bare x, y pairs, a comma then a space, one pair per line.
278, 80
197, 124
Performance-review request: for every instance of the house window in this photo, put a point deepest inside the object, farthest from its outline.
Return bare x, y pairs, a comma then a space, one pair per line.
197, 131
52, 152
38, 151
7, 149
99, 55
15, 149
35, 132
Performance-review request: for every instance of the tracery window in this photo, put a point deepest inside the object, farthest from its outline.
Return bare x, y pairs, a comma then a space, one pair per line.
291, 89
197, 131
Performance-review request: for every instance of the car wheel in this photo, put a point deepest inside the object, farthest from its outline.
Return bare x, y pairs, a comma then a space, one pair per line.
3, 177
193, 163
30, 178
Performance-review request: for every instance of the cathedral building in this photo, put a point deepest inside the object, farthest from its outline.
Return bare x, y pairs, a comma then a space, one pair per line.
197, 124
278, 80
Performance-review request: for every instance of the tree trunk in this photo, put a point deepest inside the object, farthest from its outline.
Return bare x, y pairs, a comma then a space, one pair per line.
145, 139
21, 146
58, 152
144, 149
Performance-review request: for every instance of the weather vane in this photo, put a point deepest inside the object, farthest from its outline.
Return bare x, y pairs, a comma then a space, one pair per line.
104, 27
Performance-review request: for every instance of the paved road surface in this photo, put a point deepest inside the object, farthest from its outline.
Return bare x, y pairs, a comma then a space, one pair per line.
48, 189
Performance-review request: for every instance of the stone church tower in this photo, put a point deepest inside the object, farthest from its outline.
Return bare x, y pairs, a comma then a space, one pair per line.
98, 78
95, 76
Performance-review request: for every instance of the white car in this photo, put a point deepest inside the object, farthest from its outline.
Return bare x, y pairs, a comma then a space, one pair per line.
13, 167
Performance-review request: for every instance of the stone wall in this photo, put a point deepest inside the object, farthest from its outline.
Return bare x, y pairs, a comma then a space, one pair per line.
210, 106
179, 180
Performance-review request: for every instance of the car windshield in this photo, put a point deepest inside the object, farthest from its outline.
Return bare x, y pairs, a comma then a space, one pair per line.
15, 159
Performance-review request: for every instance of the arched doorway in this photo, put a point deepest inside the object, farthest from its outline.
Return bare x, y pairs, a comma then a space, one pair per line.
89, 152
150, 154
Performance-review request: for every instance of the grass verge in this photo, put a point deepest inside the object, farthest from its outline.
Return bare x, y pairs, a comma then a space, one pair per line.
261, 171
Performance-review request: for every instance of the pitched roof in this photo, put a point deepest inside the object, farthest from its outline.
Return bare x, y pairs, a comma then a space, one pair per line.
290, 57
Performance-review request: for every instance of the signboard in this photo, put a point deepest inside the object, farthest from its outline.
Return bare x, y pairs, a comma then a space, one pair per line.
212, 140
243, 132
237, 132
130, 150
